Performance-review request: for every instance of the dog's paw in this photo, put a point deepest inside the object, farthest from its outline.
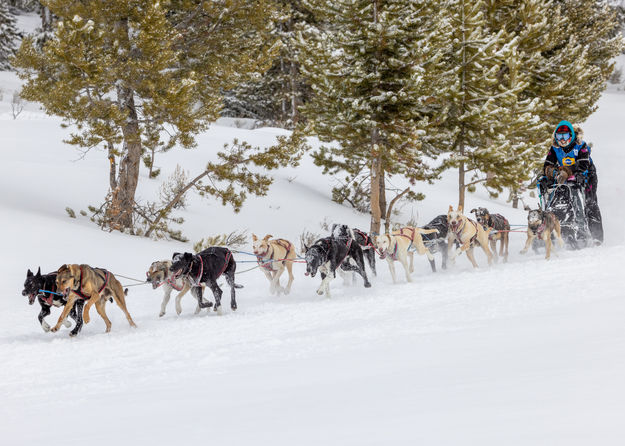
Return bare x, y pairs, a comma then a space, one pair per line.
67, 323
161, 314
234, 307
367, 285
219, 310
54, 329
523, 251
45, 326
72, 334
319, 292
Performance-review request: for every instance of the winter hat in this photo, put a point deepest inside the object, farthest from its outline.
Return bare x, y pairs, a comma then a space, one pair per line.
565, 127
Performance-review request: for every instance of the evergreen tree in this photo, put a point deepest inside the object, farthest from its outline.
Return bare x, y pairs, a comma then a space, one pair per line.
8, 36
367, 62
276, 95
132, 72
485, 108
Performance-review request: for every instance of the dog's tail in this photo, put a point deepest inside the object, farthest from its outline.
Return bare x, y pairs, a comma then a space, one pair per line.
426, 231
125, 291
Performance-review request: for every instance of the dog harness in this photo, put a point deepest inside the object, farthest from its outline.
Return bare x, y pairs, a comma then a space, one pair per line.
79, 290
171, 282
228, 257
268, 264
368, 241
458, 232
491, 224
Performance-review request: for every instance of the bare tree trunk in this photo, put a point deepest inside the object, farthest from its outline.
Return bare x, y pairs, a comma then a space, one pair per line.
387, 222
383, 211
461, 185
112, 166
376, 179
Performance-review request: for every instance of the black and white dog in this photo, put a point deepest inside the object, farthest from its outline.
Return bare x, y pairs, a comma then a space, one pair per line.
364, 240
43, 287
437, 242
328, 254
205, 268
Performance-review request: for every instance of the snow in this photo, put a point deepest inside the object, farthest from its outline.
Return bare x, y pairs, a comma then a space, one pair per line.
528, 352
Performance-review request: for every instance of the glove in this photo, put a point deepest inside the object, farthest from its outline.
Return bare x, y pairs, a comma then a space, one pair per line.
580, 178
551, 172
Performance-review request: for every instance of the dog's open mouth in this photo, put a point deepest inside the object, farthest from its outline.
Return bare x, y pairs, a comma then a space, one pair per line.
382, 255
31, 298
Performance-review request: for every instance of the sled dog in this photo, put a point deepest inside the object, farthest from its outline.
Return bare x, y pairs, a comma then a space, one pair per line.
501, 231
343, 232
159, 275
468, 233
43, 287
400, 245
327, 255
274, 256
204, 268
94, 285
541, 224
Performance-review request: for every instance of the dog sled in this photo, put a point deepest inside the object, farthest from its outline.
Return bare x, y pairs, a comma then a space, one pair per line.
568, 203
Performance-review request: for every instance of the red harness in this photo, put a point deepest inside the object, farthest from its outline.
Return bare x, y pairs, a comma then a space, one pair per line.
267, 263
82, 295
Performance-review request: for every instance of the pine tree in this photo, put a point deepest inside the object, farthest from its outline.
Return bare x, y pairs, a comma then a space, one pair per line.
566, 70
367, 64
276, 95
8, 36
128, 74
483, 99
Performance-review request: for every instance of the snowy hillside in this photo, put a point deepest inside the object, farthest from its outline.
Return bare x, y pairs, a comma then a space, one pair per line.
529, 352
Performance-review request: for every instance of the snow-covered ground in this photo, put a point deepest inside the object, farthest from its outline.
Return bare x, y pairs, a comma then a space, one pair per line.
526, 353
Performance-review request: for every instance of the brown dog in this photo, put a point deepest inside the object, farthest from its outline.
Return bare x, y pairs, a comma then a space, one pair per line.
468, 233
92, 284
400, 245
274, 256
542, 224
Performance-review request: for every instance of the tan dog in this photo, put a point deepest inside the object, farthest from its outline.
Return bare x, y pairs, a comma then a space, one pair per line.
274, 256
542, 224
468, 233
160, 275
93, 285
400, 245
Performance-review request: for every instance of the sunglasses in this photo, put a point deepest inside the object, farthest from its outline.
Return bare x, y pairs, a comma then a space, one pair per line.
563, 136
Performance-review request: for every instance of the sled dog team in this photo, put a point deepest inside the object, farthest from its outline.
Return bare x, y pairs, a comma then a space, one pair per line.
79, 287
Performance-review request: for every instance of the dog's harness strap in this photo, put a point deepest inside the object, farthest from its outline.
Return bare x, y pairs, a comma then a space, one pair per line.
172, 283
228, 257
348, 245
105, 278
368, 241
201, 272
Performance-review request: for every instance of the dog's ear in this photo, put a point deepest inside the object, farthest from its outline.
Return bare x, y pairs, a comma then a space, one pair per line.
460, 208
254, 238
38, 272
306, 248
62, 268
473, 211
74, 269
175, 255
29, 273
526, 207
451, 209
267, 237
